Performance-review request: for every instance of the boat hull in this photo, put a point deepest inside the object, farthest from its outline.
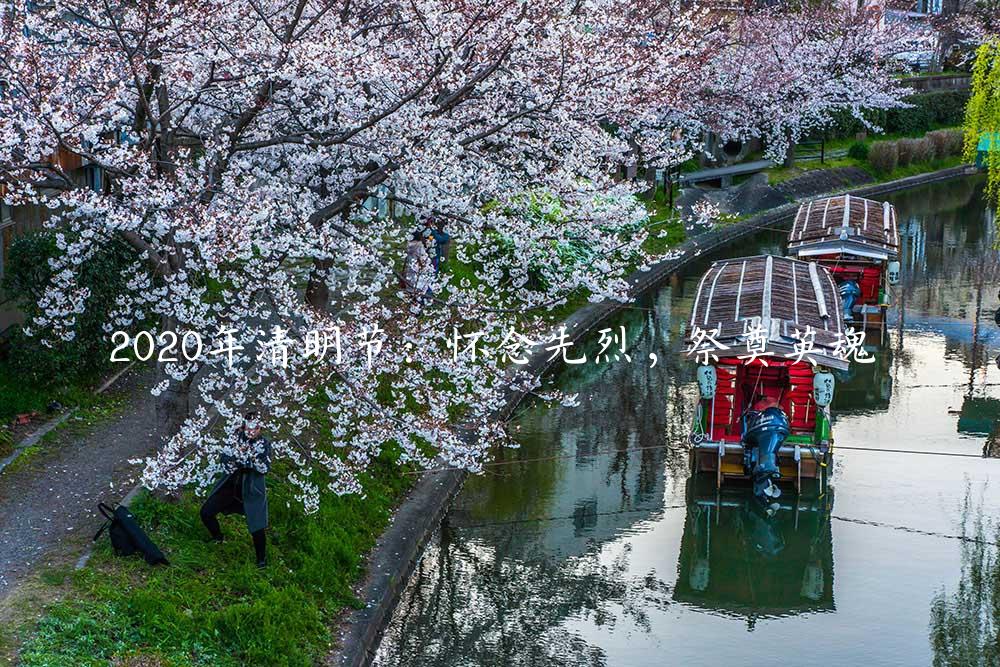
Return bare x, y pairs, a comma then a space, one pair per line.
797, 461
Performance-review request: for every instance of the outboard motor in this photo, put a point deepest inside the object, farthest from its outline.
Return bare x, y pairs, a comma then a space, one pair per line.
849, 293
765, 431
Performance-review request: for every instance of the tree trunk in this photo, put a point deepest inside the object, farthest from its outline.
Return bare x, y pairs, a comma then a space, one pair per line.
317, 291
947, 34
789, 152
172, 405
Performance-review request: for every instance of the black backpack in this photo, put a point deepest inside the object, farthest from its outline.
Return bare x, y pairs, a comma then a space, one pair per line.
126, 535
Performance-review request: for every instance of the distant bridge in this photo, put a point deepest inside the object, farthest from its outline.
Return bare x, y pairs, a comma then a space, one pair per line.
724, 174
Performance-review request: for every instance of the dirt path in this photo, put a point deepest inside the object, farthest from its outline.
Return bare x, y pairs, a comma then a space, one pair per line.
49, 496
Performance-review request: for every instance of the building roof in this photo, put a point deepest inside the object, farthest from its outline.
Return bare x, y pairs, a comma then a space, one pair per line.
845, 225
781, 295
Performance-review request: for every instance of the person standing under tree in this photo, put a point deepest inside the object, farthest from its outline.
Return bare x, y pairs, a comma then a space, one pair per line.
435, 229
417, 273
243, 490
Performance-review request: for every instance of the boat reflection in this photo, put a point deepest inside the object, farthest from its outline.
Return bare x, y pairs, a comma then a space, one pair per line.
865, 387
740, 559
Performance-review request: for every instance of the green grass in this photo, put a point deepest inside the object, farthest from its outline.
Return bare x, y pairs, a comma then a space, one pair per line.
24, 397
919, 168
211, 605
19, 396
928, 74
666, 230
780, 174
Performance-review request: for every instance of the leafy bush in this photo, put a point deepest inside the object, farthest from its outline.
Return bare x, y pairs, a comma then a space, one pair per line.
927, 110
883, 156
946, 143
947, 107
6, 440
923, 150
846, 125
27, 274
858, 151
914, 120
905, 150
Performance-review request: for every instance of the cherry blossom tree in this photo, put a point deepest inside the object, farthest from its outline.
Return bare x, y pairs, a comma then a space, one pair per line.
244, 143
793, 69
963, 25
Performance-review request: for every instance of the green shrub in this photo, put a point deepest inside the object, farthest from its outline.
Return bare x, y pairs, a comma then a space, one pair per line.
883, 156
946, 107
905, 150
846, 125
926, 111
913, 120
923, 150
26, 276
858, 151
946, 143
6, 440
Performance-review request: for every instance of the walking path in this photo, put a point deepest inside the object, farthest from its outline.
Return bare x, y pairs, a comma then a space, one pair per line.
48, 499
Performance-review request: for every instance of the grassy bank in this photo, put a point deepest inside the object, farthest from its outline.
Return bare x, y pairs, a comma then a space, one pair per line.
211, 605
779, 174
19, 395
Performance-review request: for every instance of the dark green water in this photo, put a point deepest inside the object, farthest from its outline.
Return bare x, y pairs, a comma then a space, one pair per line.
603, 553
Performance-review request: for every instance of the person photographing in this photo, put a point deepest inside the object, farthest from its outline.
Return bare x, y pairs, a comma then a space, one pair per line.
243, 489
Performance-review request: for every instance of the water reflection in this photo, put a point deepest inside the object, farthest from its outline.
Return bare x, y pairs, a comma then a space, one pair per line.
965, 622
865, 387
739, 559
586, 546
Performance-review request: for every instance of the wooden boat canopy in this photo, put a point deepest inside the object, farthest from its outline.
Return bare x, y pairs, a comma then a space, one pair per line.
781, 295
845, 225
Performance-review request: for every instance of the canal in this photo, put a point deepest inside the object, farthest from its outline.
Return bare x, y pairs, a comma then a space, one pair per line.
589, 545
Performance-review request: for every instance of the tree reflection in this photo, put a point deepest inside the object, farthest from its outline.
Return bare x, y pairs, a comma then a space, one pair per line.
472, 604
965, 623
521, 557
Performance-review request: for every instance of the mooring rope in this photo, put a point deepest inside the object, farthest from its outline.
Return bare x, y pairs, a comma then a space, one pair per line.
845, 519
626, 450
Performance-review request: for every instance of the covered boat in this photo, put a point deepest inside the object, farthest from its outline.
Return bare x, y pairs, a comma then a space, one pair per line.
765, 330
858, 241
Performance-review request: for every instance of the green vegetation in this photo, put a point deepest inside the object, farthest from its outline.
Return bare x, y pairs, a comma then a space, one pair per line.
927, 74
982, 117
965, 622
6, 440
33, 375
211, 605
938, 149
927, 111
665, 228
858, 151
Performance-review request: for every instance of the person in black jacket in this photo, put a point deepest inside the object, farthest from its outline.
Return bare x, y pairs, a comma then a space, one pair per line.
243, 489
